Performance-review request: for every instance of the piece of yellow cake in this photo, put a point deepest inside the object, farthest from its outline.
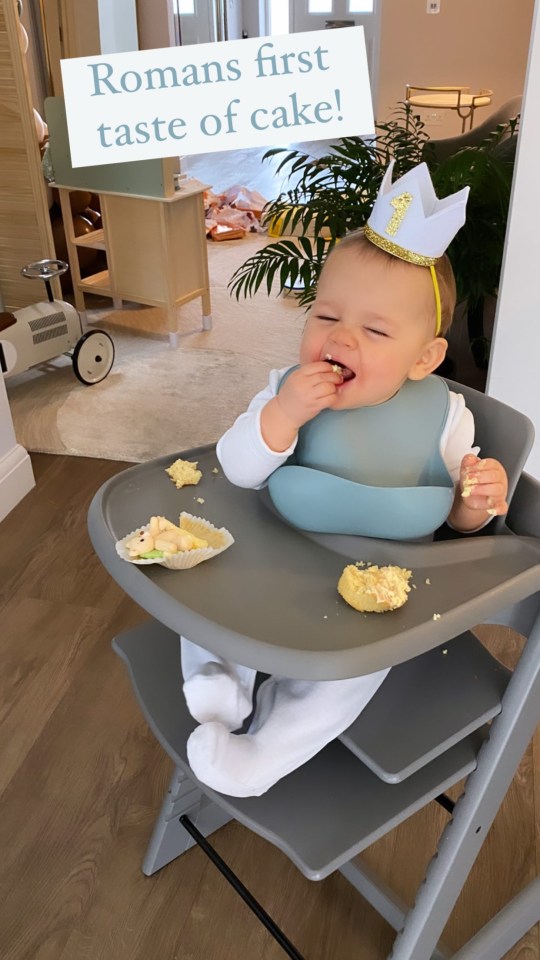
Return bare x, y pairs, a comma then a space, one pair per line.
162, 537
184, 472
374, 589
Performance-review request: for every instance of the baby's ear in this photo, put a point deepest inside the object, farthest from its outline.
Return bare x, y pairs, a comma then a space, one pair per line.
431, 357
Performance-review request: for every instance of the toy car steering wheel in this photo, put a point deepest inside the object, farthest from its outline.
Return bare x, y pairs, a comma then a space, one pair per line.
44, 269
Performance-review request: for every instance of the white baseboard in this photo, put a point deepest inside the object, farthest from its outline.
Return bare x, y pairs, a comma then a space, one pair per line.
16, 479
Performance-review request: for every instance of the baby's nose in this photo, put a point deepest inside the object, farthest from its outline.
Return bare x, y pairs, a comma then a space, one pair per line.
344, 335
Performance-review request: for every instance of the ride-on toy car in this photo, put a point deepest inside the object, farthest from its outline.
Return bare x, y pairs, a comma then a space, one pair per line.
42, 331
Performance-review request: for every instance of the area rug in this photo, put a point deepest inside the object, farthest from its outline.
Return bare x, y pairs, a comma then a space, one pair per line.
159, 400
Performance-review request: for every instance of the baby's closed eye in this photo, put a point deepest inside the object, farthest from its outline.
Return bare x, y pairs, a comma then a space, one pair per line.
376, 332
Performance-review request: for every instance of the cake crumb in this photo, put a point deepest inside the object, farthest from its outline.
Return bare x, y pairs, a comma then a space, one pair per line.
413, 585
183, 472
468, 485
436, 616
199, 499
445, 651
428, 581
215, 470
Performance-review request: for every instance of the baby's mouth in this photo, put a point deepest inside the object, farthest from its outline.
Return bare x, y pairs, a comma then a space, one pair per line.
337, 365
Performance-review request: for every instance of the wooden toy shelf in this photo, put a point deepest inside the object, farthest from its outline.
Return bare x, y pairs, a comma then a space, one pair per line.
155, 248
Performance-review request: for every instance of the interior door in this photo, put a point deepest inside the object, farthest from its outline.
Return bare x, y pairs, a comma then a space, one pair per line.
70, 29
323, 14
204, 21
196, 18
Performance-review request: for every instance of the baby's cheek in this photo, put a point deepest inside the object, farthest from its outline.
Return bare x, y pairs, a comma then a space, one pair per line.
308, 350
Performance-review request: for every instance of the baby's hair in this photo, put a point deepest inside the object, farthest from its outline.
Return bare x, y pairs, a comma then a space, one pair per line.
443, 269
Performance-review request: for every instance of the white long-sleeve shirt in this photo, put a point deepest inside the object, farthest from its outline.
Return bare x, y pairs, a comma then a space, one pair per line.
247, 461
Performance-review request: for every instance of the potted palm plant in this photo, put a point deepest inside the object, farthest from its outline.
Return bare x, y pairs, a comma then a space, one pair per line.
334, 194
477, 250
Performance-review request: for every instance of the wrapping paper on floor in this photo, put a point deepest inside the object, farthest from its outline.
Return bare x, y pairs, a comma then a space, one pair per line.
237, 208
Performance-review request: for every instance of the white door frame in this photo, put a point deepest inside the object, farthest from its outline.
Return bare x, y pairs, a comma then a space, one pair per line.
514, 371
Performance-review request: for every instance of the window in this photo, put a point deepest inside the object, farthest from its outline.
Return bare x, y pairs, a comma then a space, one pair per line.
320, 6
279, 17
360, 6
186, 7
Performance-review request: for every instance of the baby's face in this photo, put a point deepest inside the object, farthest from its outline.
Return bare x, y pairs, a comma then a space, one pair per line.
375, 319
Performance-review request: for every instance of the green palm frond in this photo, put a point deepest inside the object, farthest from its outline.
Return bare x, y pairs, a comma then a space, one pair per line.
282, 263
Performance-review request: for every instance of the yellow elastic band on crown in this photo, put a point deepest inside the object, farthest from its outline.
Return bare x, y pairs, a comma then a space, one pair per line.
437, 300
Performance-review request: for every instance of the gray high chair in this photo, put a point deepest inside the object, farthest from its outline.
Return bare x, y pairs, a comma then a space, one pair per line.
448, 710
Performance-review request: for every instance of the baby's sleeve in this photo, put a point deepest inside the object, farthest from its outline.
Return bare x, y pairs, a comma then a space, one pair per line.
457, 439
245, 458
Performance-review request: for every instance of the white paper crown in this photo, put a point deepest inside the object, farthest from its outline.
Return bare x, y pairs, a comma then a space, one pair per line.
409, 221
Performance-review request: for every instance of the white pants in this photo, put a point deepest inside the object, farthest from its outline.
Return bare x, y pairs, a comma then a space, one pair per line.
293, 720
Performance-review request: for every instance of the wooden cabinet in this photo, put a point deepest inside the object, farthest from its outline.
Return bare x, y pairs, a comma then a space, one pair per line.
25, 226
155, 247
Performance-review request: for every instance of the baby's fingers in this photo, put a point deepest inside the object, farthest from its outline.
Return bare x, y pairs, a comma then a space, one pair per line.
495, 506
473, 478
476, 490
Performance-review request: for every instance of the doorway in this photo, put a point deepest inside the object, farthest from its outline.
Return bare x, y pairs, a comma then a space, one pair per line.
205, 21
305, 15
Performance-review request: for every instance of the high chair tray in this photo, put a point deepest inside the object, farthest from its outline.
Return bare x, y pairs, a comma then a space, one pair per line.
270, 600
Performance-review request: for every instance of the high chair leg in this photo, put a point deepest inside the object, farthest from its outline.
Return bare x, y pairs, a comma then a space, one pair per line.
506, 928
169, 839
387, 903
474, 813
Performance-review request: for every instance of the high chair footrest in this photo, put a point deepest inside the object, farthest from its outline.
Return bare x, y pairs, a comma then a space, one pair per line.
426, 705
334, 788
241, 889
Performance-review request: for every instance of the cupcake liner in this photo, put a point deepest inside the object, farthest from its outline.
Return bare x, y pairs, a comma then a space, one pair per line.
218, 541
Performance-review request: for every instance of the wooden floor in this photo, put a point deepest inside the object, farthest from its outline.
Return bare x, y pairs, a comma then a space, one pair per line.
81, 780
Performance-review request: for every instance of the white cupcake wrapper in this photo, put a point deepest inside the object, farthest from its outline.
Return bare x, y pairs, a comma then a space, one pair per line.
218, 541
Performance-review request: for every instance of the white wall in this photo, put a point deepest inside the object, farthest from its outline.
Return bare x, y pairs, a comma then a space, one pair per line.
514, 374
481, 43
16, 477
118, 26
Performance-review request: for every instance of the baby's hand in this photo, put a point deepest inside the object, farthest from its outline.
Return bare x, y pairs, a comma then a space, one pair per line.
483, 485
307, 391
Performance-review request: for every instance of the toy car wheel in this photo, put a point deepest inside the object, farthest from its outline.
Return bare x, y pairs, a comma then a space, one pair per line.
93, 357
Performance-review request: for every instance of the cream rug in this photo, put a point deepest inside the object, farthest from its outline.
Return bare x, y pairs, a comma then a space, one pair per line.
156, 400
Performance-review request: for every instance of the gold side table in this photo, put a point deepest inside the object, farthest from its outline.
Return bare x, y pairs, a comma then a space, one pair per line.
458, 98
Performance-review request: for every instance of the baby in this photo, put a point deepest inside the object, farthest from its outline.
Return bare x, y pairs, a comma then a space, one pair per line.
374, 335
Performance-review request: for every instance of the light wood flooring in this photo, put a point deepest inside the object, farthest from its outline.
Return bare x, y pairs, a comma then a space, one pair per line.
81, 781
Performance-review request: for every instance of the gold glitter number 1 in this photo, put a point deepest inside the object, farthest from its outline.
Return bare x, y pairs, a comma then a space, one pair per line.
401, 204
